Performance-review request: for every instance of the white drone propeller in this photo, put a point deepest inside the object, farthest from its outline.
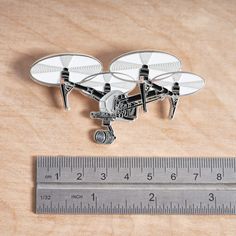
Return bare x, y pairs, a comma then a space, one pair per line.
74, 67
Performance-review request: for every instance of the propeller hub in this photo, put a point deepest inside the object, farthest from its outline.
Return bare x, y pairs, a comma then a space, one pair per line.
144, 71
65, 74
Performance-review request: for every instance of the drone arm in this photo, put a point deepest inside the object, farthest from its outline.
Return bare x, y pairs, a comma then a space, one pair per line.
174, 100
143, 78
173, 104
160, 89
95, 94
151, 94
136, 100
173, 96
66, 87
156, 94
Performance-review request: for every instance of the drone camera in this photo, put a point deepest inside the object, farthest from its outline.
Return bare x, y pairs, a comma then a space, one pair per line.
104, 137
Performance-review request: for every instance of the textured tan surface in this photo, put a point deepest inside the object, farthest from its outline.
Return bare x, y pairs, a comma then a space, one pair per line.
201, 33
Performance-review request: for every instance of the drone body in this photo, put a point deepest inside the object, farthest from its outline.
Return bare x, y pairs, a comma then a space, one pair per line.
157, 74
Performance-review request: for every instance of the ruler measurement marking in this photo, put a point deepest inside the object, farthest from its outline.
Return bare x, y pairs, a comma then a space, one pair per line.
200, 170
211, 164
188, 166
47, 166
176, 169
140, 165
106, 166
129, 166
59, 167
234, 166
71, 165
83, 166
223, 169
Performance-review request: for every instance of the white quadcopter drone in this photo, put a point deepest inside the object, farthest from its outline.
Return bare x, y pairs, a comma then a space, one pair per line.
157, 74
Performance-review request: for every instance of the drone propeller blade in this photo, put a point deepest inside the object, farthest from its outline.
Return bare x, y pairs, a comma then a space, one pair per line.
142, 87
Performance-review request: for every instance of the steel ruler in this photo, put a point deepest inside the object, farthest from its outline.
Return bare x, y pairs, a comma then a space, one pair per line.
135, 185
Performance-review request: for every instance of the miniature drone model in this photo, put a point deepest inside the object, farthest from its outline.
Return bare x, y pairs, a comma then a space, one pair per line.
157, 74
